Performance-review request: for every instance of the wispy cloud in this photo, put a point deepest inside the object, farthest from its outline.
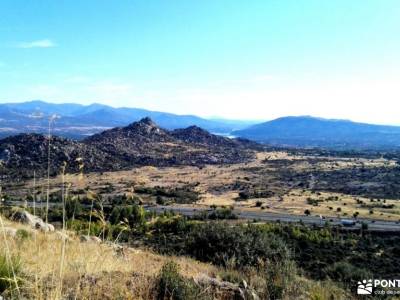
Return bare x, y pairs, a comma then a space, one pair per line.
45, 43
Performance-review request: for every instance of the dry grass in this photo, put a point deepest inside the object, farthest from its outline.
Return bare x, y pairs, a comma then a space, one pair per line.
91, 270
296, 203
98, 271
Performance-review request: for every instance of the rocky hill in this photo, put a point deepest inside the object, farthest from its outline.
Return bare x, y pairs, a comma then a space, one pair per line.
198, 136
140, 143
22, 154
145, 143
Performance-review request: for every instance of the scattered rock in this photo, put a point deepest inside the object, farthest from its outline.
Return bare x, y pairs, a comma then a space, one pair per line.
90, 239
35, 222
207, 280
242, 291
244, 284
62, 236
12, 232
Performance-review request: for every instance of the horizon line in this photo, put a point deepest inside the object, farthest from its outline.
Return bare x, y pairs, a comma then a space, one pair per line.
208, 117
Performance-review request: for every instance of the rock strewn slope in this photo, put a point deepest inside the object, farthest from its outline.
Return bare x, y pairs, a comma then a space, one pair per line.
144, 143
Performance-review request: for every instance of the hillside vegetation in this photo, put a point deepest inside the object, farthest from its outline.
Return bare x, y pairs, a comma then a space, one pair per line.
60, 265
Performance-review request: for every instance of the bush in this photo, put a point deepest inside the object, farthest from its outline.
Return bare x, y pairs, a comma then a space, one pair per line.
364, 226
173, 286
279, 275
82, 227
232, 275
238, 246
160, 200
73, 207
23, 234
134, 215
346, 273
244, 195
222, 214
9, 268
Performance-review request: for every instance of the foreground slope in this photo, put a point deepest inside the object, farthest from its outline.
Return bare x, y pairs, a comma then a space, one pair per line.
91, 270
316, 132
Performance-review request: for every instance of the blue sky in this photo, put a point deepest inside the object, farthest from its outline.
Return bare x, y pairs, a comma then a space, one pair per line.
236, 59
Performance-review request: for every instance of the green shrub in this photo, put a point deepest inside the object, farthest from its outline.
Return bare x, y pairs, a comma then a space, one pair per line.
346, 273
222, 214
23, 234
241, 246
173, 286
160, 200
8, 268
134, 215
73, 207
279, 275
244, 195
232, 275
82, 227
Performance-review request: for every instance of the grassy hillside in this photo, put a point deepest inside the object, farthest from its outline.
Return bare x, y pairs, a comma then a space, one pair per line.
39, 265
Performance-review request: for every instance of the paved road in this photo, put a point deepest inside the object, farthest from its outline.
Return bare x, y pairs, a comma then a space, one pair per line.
273, 217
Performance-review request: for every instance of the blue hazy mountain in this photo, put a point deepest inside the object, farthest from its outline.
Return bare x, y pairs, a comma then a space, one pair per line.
306, 131
78, 121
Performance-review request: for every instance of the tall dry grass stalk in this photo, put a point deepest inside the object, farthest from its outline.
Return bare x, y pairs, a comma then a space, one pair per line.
64, 196
34, 193
9, 256
51, 121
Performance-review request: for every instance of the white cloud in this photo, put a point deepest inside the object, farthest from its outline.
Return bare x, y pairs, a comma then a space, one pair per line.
45, 43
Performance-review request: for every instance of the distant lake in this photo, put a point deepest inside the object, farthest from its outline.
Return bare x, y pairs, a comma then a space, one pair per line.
228, 134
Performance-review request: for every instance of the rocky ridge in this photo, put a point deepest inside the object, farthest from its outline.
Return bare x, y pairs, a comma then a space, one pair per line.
138, 144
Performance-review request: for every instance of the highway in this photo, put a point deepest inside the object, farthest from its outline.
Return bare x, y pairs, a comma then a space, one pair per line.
263, 216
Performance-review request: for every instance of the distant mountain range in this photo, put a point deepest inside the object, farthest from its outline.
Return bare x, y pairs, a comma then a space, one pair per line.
306, 131
79, 121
